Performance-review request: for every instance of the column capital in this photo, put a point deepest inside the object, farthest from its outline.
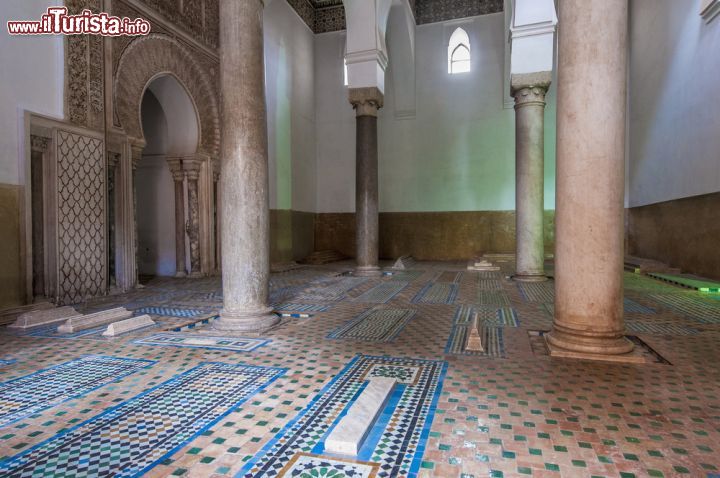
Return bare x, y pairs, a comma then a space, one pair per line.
521, 81
366, 101
176, 168
530, 88
216, 169
113, 159
39, 144
192, 166
531, 96
136, 151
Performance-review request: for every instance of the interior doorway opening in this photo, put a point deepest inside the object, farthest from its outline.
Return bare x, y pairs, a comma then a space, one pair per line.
171, 129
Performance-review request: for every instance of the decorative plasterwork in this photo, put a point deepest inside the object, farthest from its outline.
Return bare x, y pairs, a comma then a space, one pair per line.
147, 57
325, 3
329, 15
329, 19
81, 243
432, 11
84, 72
196, 18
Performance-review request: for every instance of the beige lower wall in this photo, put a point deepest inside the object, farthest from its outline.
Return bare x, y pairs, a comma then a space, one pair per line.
11, 282
291, 235
683, 233
429, 235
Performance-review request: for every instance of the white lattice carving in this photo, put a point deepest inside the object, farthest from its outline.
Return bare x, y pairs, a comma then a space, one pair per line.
81, 217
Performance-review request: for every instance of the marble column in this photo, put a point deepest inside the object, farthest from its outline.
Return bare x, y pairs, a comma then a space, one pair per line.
39, 148
529, 91
136, 156
216, 212
245, 223
176, 169
592, 67
113, 159
366, 102
192, 171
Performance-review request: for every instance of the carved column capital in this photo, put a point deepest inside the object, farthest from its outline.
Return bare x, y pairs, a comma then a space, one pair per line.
216, 169
113, 159
39, 144
530, 89
530, 96
192, 168
366, 101
136, 151
176, 169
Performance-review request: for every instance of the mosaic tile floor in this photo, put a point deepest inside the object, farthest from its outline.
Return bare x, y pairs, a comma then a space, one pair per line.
512, 414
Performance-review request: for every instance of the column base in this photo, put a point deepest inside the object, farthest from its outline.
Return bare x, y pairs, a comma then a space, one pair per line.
630, 357
196, 275
258, 320
564, 340
367, 271
180, 274
538, 277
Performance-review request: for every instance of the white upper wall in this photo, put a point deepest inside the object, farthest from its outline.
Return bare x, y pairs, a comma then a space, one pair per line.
674, 121
31, 78
290, 93
456, 154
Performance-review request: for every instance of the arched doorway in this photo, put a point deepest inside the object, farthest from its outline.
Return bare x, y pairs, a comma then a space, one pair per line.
166, 189
143, 62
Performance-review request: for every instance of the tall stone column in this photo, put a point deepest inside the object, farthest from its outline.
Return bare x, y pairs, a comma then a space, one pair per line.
529, 92
113, 159
366, 102
178, 174
192, 170
592, 54
216, 212
39, 148
136, 156
244, 182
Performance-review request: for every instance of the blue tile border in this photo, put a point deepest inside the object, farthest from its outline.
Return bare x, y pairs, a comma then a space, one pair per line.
452, 294
156, 340
245, 471
279, 372
61, 398
343, 332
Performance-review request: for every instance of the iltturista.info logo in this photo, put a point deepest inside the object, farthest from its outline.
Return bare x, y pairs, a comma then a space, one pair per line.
57, 21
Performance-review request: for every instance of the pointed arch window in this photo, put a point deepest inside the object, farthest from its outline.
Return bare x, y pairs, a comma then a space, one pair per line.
459, 52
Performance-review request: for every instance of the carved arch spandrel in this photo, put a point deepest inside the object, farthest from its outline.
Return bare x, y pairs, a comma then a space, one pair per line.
147, 57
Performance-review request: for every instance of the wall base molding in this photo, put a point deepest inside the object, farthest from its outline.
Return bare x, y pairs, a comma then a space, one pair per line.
681, 233
452, 235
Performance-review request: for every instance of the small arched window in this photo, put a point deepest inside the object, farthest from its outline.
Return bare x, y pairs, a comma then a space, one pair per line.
459, 52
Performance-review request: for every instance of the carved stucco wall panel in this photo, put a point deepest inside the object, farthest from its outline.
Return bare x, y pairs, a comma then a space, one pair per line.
84, 72
81, 203
146, 57
199, 18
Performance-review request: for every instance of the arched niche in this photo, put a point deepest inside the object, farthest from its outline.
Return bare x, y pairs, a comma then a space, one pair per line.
155, 55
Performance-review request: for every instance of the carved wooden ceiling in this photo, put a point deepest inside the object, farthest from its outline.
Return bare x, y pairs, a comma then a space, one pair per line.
329, 15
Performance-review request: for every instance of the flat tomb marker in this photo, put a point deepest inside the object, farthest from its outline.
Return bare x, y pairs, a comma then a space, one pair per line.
83, 322
350, 433
11, 314
128, 325
44, 317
